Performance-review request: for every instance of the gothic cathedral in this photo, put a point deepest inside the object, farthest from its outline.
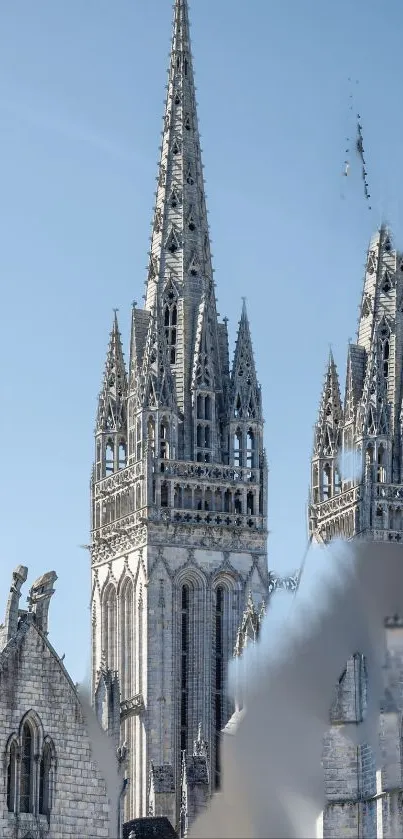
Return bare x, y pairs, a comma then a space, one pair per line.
357, 493
357, 464
179, 486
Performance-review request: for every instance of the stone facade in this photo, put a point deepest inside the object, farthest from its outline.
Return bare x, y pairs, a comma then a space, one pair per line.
357, 465
361, 800
179, 488
357, 492
49, 785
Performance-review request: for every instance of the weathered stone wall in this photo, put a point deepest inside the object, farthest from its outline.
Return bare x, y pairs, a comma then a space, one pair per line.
152, 652
361, 799
32, 679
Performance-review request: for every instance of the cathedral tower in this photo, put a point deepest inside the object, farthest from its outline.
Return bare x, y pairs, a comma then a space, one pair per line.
357, 466
179, 487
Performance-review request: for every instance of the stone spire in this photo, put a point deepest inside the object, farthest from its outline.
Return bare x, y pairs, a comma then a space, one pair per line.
367, 438
245, 400
327, 430
111, 404
180, 240
180, 258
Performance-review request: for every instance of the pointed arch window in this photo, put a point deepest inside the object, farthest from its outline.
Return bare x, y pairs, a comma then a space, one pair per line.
110, 615
185, 630
126, 617
188, 122
45, 778
12, 777
27, 769
219, 679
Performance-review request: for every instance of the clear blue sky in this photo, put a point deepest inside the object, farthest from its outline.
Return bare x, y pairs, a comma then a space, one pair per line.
81, 105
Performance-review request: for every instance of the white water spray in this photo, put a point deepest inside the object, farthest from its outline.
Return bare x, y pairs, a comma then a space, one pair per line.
272, 773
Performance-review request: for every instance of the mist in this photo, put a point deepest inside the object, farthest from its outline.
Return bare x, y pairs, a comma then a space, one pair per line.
103, 748
272, 773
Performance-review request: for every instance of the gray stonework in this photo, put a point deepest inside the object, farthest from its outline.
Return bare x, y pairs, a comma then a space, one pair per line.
357, 466
43, 737
362, 801
357, 492
179, 485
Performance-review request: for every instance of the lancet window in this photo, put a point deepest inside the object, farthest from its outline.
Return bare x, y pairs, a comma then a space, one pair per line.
109, 623
185, 630
126, 617
171, 322
30, 762
45, 787
12, 776
219, 679
204, 427
27, 769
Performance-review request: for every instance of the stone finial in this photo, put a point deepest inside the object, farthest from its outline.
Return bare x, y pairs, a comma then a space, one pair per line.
19, 577
39, 599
